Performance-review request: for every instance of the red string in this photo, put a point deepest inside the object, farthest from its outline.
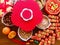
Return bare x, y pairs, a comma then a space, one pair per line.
18, 42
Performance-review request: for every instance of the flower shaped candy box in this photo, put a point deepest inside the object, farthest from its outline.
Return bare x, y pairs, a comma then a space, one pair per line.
26, 15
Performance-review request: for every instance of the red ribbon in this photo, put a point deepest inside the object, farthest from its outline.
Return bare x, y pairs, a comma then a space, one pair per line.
18, 42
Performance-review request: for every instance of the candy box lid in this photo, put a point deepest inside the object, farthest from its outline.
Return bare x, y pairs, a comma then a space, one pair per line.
26, 15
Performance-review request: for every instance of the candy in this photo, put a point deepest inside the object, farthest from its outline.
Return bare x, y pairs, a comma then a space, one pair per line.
35, 38
6, 30
41, 43
27, 43
39, 35
47, 34
42, 40
47, 31
51, 31
53, 17
36, 42
54, 21
12, 34
58, 38
56, 30
54, 34
49, 42
31, 40
52, 28
58, 35
45, 42
53, 40
43, 33
55, 24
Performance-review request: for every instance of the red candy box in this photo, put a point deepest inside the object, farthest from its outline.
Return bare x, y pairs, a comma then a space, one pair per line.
5, 6
26, 14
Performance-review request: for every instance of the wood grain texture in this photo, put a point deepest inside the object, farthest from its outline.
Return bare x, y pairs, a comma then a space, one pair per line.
3, 38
